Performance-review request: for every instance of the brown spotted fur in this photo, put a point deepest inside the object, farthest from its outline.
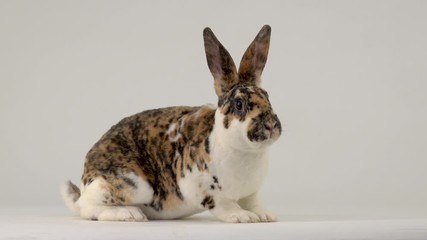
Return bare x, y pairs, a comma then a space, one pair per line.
139, 144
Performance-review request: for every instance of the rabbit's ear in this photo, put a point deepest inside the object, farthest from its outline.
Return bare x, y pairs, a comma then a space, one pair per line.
255, 57
220, 63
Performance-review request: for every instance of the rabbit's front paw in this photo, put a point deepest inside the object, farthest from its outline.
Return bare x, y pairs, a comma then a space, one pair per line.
240, 216
266, 216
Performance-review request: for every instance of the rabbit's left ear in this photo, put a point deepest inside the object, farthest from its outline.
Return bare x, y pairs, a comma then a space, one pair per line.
255, 57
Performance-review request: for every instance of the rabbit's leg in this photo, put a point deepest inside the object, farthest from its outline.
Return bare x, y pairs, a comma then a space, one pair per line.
228, 210
253, 203
107, 200
113, 213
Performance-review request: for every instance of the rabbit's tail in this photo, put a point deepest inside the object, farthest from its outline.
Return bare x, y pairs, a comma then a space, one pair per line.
70, 193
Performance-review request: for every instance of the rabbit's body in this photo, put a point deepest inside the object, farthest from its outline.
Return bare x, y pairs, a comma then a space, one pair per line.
174, 162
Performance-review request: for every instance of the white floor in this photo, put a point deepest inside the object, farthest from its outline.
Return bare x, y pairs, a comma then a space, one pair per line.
57, 223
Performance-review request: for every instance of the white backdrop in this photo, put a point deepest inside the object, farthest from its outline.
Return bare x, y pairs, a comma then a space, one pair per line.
347, 78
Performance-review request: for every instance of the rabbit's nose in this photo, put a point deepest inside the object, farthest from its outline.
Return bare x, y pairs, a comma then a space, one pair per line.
269, 126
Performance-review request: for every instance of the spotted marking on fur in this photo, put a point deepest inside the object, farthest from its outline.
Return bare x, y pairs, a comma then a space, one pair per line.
135, 145
207, 148
208, 202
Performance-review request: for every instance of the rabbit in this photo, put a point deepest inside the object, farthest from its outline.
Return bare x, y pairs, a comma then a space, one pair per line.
174, 162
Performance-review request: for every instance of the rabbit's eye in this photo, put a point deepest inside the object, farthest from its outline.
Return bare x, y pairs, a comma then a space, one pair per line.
239, 105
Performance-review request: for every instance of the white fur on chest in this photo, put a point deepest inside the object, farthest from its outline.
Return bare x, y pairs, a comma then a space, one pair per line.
239, 173
240, 165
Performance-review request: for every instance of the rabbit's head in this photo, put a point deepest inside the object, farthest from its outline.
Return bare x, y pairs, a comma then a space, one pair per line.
245, 117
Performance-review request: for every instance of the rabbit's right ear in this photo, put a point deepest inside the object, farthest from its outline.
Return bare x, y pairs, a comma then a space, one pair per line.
220, 63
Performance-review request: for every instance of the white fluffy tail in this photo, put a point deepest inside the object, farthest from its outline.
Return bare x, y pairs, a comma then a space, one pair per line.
70, 193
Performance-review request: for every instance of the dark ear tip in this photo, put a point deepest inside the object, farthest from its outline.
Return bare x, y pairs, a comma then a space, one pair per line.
266, 28
207, 31
265, 31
